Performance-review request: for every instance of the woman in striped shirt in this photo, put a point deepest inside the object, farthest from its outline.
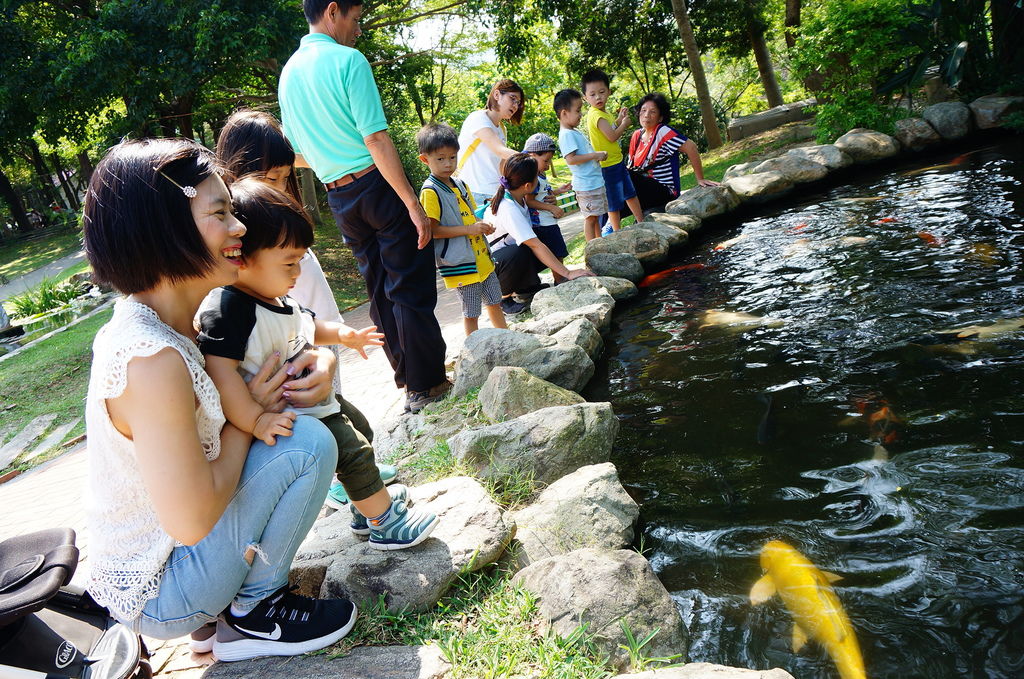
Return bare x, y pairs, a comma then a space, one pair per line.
653, 158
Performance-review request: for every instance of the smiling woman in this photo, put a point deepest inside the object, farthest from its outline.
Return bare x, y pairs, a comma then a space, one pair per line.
182, 501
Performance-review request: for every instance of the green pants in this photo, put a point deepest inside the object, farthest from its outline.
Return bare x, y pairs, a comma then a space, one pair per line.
356, 468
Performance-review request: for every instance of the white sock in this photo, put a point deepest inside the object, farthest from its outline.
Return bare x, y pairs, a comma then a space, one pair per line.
238, 613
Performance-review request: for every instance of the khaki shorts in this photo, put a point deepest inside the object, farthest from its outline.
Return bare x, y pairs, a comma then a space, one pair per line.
592, 203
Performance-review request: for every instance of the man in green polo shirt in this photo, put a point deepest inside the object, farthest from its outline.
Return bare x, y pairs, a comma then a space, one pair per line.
332, 115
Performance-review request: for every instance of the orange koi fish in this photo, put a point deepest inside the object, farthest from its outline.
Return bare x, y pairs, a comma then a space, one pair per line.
661, 275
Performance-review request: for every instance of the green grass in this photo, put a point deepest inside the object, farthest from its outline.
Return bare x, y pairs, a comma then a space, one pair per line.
486, 627
338, 263
576, 246
48, 295
50, 377
18, 259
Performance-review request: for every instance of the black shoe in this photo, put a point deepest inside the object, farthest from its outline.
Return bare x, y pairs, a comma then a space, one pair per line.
513, 308
283, 624
416, 401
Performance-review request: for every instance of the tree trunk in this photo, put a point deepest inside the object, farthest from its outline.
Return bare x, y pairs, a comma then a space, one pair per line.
307, 187
85, 167
14, 203
72, 199
707, 111
43, 172
792, 22
764, 66
1007, 26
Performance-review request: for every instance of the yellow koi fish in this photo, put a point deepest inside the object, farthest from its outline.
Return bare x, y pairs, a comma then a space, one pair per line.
810, 599
736, 320
995, 330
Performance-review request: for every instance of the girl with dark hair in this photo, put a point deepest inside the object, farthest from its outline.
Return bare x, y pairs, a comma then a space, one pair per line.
518, 253
483, 142
653, 158
252, 144
189, 518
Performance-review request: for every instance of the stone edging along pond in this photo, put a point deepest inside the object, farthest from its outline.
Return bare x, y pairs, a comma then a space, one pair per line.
516, 423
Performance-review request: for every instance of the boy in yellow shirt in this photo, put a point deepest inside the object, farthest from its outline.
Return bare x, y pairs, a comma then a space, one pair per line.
604, 131
460, 250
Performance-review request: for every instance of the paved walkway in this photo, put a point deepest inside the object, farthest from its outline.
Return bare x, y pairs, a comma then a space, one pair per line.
53, 493
33, 278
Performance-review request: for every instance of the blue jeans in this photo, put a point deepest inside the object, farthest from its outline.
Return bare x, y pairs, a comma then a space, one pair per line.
279, 495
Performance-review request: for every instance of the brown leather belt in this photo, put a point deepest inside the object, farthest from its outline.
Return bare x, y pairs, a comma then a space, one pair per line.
347, 179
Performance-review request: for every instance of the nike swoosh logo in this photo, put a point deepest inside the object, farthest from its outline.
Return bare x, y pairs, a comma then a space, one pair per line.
272, 635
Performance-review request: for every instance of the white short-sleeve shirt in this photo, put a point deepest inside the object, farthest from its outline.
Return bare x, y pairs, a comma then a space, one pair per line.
511, 225
480, 171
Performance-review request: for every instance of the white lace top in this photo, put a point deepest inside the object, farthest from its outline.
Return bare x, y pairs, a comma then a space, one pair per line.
127, 546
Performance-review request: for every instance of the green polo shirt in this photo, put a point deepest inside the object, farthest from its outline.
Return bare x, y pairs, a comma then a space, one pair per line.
329, 103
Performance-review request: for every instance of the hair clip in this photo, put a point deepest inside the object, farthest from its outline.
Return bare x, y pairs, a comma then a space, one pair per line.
189, 191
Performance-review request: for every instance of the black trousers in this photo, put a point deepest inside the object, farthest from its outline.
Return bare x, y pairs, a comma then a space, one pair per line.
517, 268
653, 195
399, 278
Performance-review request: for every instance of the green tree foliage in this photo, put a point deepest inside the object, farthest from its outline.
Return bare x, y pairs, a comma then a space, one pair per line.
852, 45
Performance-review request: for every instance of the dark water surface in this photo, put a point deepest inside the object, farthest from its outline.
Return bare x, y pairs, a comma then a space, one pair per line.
731, 438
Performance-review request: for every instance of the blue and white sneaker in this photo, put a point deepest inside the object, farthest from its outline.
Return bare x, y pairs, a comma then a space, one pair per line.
607, 230
403, 528
337, 498
360, 526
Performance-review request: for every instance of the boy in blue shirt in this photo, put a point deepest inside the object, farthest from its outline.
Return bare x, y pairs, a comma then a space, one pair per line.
583, 161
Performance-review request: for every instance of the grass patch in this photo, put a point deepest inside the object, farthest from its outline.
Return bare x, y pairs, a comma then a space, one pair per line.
486, 626
576, 246
50, 294
757, 147
338, 263
50, 377
435, 464
18, 259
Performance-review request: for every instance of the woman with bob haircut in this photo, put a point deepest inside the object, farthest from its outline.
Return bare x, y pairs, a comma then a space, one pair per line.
653, 158
483, 142
191, 521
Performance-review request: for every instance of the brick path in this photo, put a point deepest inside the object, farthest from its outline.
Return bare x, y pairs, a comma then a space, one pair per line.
53, 493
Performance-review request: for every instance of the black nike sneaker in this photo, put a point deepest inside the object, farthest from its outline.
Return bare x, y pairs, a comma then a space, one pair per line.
283, 624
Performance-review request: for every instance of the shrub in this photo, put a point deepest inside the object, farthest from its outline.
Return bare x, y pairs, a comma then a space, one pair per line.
849, 47
50, 294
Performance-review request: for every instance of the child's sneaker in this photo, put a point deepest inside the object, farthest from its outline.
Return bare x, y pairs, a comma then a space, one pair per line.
283, 624
201, 640
607, 230
360, 526
403, 528
337, 498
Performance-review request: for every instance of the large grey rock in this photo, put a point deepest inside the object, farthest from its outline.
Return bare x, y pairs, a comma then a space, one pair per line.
598, 314
473, 532
794, 168
547, 443
951, 119
703, 670
740, 170
380, 662
571, 295
865, 145
688, 223
647, 246
510, 392
600, 588
990, 110
583, 334
916, 133
619, 288
675, 236
616, 265
587, 508
828, 155
488, 348
704, 202
760, 186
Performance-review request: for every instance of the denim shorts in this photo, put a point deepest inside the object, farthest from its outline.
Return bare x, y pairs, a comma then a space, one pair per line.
618, 186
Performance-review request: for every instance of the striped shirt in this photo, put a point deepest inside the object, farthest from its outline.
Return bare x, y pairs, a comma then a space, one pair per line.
658, 156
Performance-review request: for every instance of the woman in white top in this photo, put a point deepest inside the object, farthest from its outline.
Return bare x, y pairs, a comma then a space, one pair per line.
483, 142
188, 516
518, 253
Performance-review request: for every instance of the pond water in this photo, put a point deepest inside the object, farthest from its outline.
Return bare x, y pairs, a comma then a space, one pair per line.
845, 421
